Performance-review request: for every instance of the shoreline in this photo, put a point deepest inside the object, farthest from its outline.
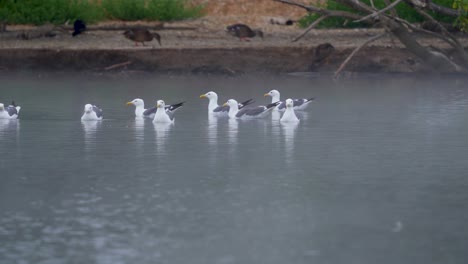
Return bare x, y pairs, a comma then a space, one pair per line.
206, 50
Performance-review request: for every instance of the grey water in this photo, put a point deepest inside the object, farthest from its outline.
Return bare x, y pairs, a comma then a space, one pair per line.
375, 172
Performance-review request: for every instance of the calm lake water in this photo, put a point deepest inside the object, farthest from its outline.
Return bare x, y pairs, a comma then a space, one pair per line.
376, 172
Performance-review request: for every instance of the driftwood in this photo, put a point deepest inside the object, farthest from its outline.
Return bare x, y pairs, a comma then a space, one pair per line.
118, 65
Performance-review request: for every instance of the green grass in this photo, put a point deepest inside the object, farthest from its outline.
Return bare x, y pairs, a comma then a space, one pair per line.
403, 10
58, 11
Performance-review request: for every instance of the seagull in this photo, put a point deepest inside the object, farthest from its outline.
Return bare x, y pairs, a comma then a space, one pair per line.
91, 112
289, 115
243, 32
213, 106
141, 35
299, 104
9, 112
248, 112
162, 115
140, 110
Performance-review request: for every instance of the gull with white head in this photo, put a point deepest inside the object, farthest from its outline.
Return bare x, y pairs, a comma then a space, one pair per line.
163, 116
289, 115
9, 112
299, 104
213, 106
91, 113
248, 112
140, 110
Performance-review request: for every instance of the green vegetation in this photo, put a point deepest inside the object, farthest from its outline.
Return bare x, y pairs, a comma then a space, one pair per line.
162, 10
404, 11
462, 20
58, 11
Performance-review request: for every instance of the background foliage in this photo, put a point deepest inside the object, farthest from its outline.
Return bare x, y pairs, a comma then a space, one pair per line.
404, 11
58, 11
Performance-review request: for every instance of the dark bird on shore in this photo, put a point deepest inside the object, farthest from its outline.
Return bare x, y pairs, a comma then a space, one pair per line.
79, 26
141, 35
243, 32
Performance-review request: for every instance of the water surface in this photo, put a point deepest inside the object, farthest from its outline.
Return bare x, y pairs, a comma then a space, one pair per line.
376, 172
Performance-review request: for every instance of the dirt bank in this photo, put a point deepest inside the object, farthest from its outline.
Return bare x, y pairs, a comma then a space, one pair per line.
207, 48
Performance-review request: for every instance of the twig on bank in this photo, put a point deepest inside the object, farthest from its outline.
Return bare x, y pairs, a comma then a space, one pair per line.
374, 38
118, 65
313, 25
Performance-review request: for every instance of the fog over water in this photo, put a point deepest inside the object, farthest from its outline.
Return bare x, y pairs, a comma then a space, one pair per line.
375, 172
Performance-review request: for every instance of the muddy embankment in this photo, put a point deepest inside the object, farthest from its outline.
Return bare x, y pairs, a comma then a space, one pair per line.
211, 60
205, 47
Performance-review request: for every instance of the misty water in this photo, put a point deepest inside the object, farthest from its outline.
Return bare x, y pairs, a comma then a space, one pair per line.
375, 172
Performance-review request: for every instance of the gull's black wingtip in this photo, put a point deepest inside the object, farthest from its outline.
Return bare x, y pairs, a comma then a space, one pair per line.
273, 104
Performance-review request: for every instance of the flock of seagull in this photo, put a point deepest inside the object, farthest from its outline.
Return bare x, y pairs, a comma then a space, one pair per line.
164, 113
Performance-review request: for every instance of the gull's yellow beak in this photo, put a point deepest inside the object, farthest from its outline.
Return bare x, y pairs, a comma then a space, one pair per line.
267, 94
129, 103
202, 96
225, 104
158, 105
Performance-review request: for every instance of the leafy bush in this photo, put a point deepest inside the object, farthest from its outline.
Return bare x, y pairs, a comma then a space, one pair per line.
58, 11
403, 10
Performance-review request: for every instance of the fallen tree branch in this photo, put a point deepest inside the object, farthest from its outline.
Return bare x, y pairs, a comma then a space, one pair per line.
373, 15
393, 12
118, 65
429, 5
457, 45
374, 38
321, 11
311, 26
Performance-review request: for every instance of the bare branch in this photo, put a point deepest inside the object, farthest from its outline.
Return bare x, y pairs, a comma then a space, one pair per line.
374, 38
393, 12
373, 15
118, 65
321, 11
429, 5
312, 26
458, 47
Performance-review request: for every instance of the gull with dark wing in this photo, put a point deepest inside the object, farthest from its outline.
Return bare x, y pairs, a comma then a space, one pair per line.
213, 106
299, 104
140, 110
248, 112
9, 112
162, 115
91, 113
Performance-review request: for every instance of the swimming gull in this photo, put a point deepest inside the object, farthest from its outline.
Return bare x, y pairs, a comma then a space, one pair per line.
9, 112
213, 106
299, 104
140, 110
248, 112
289, 115
163, 116
91, 112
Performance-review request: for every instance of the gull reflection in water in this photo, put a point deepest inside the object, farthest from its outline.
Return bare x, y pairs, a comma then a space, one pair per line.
233, 129
212, 133
9, 125
162, 131
289, 132
90, 127
139, 127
